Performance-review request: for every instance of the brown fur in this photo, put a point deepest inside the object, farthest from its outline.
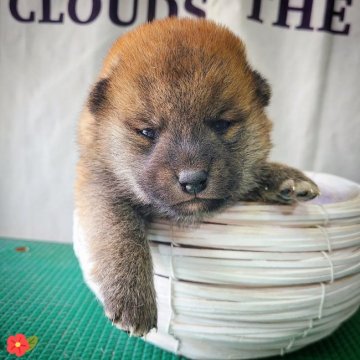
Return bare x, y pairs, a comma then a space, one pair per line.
180, 78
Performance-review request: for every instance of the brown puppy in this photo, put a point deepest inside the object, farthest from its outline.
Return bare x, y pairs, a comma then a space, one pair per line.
174, 127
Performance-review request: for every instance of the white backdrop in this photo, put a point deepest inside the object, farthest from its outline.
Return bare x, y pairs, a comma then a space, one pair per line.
51, 51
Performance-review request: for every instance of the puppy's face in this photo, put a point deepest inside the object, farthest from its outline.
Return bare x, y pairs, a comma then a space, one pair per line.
179, 117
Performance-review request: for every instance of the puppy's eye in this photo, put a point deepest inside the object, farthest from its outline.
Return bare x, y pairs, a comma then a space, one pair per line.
149, 133
220, 126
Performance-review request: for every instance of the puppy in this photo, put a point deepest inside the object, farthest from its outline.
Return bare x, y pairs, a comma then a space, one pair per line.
174, 127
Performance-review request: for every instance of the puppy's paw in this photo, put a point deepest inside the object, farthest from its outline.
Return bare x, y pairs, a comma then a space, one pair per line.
281, 184
135, 314
291, 190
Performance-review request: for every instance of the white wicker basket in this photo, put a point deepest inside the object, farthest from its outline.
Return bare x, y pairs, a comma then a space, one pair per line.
259, 280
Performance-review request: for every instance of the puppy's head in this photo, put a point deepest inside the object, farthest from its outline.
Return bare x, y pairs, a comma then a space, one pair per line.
178, 116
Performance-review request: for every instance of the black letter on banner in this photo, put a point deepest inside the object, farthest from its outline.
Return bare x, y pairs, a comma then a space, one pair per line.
96, 7
255, 15
46, 14
16, 15
173, 9
113, 13
330, 13
306, 14
193, 9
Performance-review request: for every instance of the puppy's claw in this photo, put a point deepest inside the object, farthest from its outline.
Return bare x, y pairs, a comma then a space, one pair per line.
291, 191
137, 327
287, 190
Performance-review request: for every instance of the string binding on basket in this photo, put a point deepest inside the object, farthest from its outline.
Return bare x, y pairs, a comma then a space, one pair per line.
327, 237
172, 279
321, 306
288, 347
306, 332
331, 265
325, 213
322, 300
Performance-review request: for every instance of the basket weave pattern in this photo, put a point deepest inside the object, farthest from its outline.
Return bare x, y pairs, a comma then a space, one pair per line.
259, 280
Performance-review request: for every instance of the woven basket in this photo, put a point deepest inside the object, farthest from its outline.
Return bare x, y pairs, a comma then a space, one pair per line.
259, 280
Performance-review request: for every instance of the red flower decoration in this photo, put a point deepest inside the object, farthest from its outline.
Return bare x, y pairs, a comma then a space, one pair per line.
17, 345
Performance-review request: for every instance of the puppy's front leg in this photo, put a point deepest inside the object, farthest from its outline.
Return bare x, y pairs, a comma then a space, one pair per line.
118, 264
282, 184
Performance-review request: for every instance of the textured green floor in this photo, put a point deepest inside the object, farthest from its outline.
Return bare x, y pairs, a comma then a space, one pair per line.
42, 294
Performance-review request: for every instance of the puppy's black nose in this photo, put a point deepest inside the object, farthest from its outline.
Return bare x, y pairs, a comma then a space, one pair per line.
193, 181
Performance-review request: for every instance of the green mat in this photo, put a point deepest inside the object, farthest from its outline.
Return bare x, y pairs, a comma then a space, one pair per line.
42, 293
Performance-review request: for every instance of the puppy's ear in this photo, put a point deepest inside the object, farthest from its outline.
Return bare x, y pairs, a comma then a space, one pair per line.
263, 90
99, 96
